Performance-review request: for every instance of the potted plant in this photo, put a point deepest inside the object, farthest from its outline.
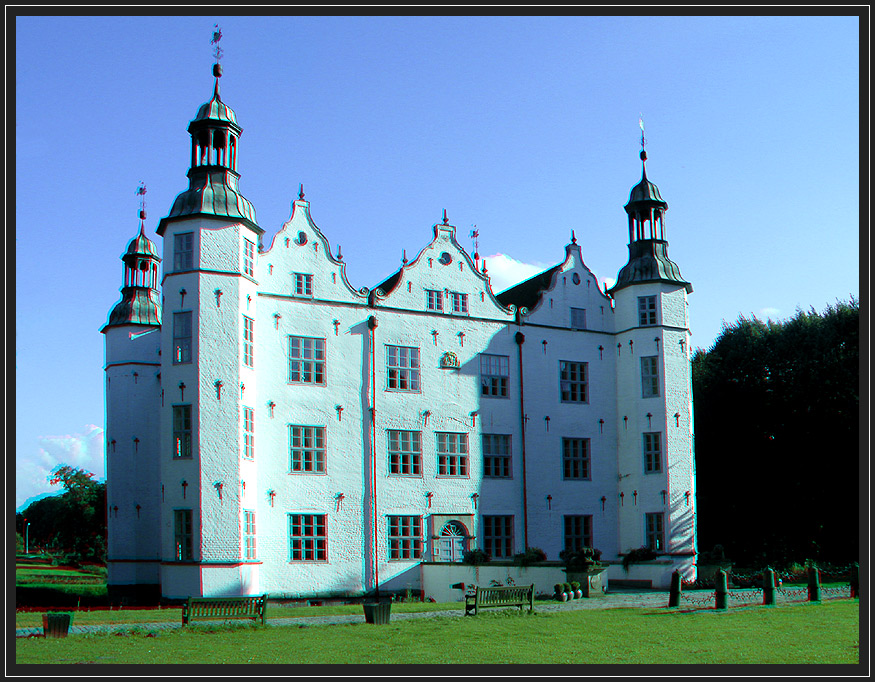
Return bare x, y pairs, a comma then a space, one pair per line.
569, 593
531, 556
559, 592
584, 566
634, 556
575, 587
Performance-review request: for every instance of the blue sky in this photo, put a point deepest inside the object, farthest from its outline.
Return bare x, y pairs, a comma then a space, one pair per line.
524, 126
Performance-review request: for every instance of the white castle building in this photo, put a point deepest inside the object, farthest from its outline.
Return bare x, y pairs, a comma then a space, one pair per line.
272, 429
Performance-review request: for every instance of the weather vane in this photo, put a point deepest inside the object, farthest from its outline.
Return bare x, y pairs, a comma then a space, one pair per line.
475, 234
217, 36
141, 192
641, 125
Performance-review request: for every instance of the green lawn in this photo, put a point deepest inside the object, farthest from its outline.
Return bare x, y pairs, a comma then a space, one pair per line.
805, 633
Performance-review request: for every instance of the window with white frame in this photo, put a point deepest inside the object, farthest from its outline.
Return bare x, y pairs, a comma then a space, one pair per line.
434, 300
248, 534
460, 302
575, 459
183, 251
248, 257
303, 284
248, 433
308, 539
577, 531
405, 453
402, 368
405, 537
494, 374
578, 318
496, 455
646, 311
498, 536
452, 452
182, 432
306, 360
248, 341
307, 449
654, 530
649, 376
181, 338
572, 381
183, 537
652, 453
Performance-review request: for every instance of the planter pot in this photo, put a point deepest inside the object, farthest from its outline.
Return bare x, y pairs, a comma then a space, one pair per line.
578, 594
561, 596
592, 581
56, 624
377, 613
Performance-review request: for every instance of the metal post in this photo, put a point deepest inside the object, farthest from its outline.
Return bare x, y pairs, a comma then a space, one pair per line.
768, 587
27, 538
721, 591
855, 580
674, 597
813, 583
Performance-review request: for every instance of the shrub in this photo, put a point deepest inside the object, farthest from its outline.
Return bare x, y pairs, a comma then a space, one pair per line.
581, 559
633, 556
532, 555
475, 557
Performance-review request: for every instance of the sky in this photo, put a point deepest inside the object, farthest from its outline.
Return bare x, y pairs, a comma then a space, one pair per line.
526, 127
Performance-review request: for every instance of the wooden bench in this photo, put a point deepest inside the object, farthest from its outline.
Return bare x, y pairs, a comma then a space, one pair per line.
224, 608
486, 597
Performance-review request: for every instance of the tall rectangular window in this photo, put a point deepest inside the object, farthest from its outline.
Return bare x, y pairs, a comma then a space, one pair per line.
646, 311
182, 431
649, 376
652, 453
248, 341
460, 302
494, 373
577, 532
303, 284
452, 451
498, 536
434, 300
572, 381
306, 360
182, 534
654, 528
248, 534
402, 368
308, 452
575, 459
181, 338
248, 433
405, 453
578, 318
183, 251
496, 455
405, 537
248, 257
308, 540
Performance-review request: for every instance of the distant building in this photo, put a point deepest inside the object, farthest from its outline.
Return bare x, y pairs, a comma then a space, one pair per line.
271, 428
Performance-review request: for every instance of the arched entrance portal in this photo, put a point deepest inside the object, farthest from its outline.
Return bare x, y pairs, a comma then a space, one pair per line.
451, 543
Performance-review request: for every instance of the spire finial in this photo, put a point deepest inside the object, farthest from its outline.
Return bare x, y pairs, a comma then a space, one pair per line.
301, 193
217, 53
141, 192
573, 238
475, 234
445, 217
404, 256
643, 153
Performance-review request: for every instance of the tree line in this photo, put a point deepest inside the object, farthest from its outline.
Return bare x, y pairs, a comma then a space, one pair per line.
777, 439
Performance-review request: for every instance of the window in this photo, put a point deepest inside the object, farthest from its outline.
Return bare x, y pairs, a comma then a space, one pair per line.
405, 453
578, 318
308, 540
248, 341
498, 536
654, 531
494, 372
577, 532
402, 365
182, 431
183, 251
405, 537
182, 534
303, 284
181, 338
646, 311
452, 454
248, 257
248, 534
572, 381
652, 453
575, 459
307, 449
496, 455
306, 360
248, 433
434, 300
460, 302
649, 377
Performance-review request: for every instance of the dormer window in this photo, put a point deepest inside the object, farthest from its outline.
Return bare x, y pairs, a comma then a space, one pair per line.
303, 284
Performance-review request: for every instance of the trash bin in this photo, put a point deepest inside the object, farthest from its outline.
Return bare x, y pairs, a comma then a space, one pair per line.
377, 612
56, 624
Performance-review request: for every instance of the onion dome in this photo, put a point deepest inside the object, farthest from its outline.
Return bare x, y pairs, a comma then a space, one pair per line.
141, 301
216, 109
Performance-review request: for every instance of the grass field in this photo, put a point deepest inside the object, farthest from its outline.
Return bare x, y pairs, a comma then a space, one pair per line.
826, 633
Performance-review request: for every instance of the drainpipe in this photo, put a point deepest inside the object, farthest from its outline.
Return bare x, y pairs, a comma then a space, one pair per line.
520, 339
372, 325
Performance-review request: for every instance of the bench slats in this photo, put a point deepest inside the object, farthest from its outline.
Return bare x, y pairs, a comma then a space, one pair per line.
484, 597
213, 608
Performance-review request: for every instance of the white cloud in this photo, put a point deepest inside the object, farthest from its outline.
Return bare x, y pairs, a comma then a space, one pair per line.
81, 450
769, 313
505, 272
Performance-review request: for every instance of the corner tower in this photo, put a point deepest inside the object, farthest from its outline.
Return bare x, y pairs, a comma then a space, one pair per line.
656, 477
